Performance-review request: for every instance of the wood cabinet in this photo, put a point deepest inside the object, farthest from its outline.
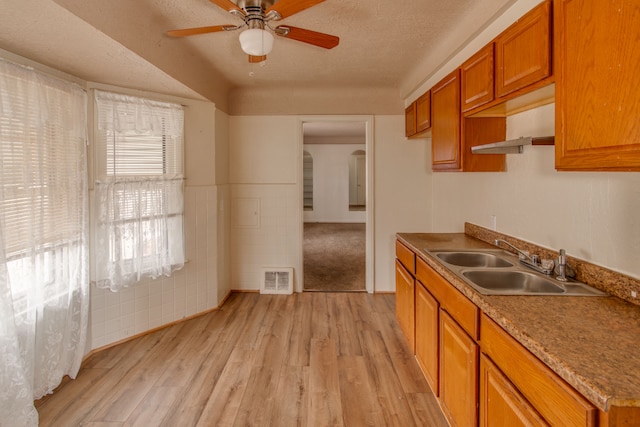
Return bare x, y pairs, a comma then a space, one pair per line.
447, 326
597, 89
501, 404
476, 76
523, 51
423, 113
552, 398
446, 117
405, 300
480, 374
427, 336
410, 120
458, 373
453, 136
417, 116
405, 292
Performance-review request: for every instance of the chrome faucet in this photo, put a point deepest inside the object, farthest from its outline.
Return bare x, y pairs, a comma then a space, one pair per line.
562, 266
532, 261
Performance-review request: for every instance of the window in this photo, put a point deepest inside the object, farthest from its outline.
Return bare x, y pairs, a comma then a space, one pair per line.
139, 198
44, 269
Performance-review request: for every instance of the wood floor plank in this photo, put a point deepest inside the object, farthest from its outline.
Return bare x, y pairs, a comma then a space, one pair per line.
344, 329
224, 402
385, 384
301, 330
154, 407
292, 408
324, 384
309, 359
197, 403
425, 410
402, 357
358, 401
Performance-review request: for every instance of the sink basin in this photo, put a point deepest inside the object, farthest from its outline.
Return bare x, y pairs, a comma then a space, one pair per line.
473, 259
512, 282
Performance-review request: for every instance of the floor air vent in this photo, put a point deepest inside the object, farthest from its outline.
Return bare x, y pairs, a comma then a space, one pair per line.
277, 281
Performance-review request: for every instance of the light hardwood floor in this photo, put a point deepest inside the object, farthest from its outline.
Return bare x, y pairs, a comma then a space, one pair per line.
309, 359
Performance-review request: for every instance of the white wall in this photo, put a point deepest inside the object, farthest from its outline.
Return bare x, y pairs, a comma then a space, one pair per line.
265, 153
331, 183
402, 192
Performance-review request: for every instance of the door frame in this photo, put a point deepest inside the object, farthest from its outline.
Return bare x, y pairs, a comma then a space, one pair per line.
369, 222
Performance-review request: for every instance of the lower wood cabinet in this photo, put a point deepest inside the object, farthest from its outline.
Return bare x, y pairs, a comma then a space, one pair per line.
458, 373
405, 300
427, 340
480, 374
552, 398
501, 404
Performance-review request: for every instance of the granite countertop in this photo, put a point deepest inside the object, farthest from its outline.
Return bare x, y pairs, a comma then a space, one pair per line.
593, 343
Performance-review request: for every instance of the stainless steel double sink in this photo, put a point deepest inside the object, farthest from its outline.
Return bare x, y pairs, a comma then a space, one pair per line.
497, 272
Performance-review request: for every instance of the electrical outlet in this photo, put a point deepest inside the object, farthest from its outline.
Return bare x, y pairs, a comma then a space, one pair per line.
494, 223
634, 294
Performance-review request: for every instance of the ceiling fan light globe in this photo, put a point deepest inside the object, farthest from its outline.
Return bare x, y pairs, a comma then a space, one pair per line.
256, 42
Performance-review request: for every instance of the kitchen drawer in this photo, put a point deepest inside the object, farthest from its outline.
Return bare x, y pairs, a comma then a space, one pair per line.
406, 256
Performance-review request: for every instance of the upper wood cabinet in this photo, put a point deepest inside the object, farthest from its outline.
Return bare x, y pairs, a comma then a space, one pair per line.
523, 51
452, 136
445, 116
597, 87
410, 120
423, 112
417, 116
477, 79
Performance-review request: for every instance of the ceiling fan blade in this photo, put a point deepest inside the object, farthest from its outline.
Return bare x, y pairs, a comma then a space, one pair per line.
227, 5
315, 38
256, 59
200, 30
285, 8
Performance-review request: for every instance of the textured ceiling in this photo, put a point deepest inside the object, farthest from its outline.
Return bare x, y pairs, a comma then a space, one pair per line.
384, 44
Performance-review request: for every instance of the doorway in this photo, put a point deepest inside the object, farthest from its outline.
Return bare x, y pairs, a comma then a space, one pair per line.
336, 225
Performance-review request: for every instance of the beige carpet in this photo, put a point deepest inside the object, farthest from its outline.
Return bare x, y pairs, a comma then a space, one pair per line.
334, 257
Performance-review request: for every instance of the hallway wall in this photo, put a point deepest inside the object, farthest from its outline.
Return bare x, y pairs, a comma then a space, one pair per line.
331, 183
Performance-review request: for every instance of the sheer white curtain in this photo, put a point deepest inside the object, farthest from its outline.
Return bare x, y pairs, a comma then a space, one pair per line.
138, 220
44, 269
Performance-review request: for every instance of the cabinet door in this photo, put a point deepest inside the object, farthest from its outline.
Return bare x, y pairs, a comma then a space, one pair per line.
445, 118
555, 400
523, 51
405, 300
597, 87
500, 402
423, 112
458, 373
410, 120
427, 325
476, 76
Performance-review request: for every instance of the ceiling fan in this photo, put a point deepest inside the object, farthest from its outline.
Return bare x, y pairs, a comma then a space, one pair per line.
255, 40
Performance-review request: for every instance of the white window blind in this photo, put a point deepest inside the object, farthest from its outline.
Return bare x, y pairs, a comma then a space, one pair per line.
139, 199
38, 180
